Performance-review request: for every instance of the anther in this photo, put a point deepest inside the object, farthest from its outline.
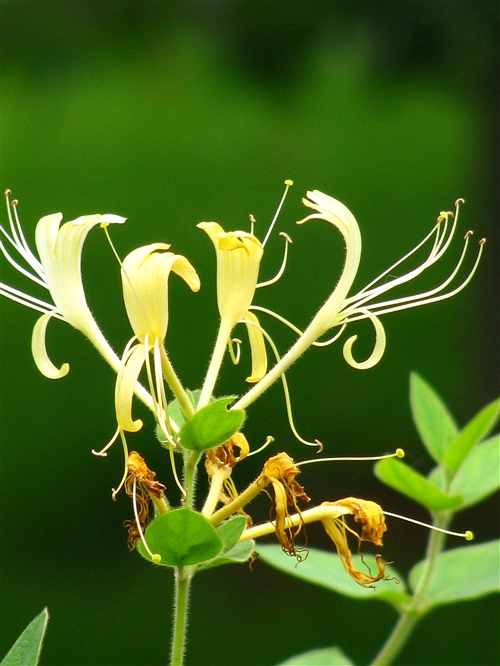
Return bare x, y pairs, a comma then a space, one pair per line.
286, 237
468, 234
459, 201
482, 241
14, 202
8, 193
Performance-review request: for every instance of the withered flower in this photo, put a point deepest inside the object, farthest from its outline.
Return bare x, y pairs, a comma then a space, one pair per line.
370, 516
141, 485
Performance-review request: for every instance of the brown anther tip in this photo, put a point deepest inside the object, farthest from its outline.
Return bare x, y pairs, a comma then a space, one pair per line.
252, 219
482, 241
286, 237
236, 341
14, 202
320, 446
8, 193
468, 234
459, 201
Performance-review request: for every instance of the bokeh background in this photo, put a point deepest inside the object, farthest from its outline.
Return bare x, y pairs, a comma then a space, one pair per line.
171, 113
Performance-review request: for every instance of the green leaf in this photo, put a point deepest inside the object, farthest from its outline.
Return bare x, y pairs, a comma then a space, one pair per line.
325, 569
479, 474
211, 426
475, 431
325, 657
407, 481
240, 553
176, 412
181, 537
231, 530
26, 650
461, 574
435, 424
232, 552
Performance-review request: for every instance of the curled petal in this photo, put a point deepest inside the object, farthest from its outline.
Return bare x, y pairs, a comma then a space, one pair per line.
60, 250
145, 274
125, 384
378, 349
39, 350
257, 347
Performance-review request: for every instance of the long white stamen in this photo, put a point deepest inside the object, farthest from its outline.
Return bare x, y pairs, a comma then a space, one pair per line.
399, 453
468, 535
288, 184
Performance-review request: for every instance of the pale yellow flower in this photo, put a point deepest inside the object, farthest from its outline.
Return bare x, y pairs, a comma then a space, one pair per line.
59, 271
238, 256
339, 310
145, 274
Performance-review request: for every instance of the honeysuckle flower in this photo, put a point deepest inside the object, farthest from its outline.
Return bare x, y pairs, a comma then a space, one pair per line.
145, 274
59, 271
238, 255
340, 309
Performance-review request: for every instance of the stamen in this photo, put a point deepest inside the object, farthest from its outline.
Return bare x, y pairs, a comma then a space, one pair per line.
103, 452
468, 535
156, 558
235, 357
288, 184
288, 240
269, 440
125, 473
399, 453
285, 389
252, 224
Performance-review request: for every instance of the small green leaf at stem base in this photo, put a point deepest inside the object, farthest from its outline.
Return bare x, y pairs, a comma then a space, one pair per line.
26, 650
182, 537
211, 426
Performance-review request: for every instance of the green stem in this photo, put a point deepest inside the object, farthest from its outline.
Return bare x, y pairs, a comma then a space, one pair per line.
215, 363
412, 613
175, 384
190, 469
181, 604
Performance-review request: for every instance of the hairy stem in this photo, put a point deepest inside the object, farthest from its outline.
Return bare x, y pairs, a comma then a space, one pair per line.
181, 604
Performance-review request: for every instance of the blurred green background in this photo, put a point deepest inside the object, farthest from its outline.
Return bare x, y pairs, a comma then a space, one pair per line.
171, 113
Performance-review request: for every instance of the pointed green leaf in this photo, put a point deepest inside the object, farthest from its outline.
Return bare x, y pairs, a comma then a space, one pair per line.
475, 431
211, 426
479, 474
435, 424
404, 479
324, 657
241, 552
461, 574
26, 650
229, 532
181, 537
325, 569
